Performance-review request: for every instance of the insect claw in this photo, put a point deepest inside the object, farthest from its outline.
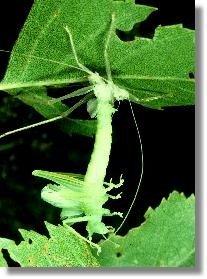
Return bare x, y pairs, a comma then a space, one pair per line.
116, 213
88, 240
110, 229
112, 185
94, 245
115, 197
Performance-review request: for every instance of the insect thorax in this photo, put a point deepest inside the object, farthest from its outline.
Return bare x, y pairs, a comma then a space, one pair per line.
120, 94
107, 90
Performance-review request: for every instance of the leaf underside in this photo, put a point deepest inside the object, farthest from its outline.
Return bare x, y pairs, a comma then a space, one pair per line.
165, 239
64, 248
156, 71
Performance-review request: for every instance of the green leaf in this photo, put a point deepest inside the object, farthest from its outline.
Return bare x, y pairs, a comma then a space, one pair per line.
160, 71
165, 239
43, 38
3, 262
64, 248
155, 71
5, 244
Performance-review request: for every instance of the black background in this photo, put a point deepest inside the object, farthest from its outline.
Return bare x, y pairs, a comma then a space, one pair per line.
167, 136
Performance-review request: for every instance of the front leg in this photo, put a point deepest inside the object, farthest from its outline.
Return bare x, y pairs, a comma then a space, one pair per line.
92, 244
76, 220
111, 185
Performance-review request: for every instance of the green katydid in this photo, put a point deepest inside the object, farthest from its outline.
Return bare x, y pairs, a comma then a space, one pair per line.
73, 193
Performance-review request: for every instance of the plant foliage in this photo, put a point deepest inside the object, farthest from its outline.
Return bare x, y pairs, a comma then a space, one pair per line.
155, 71
165, 239
64, 248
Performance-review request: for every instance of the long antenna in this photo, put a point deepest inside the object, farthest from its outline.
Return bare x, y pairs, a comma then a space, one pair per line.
75, 53
107, 63
142, 170
79, 92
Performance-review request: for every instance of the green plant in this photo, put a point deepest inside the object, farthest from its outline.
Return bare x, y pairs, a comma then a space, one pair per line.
144, 72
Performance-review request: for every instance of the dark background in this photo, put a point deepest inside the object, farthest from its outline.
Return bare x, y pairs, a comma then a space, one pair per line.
167, 136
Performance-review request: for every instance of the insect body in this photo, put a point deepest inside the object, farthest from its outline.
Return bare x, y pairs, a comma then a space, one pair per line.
82, 199
71, 193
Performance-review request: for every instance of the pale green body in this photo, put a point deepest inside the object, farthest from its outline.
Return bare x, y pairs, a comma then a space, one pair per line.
82, 198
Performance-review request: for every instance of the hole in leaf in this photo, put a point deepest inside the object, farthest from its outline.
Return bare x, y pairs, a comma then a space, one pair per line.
144, 29
30, 241
118, 254
191, 75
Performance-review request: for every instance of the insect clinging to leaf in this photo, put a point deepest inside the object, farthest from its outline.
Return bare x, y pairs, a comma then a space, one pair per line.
82, 198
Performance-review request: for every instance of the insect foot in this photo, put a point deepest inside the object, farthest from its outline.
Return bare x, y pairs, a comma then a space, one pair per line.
115, 197
117, 213
111, 185
96, 226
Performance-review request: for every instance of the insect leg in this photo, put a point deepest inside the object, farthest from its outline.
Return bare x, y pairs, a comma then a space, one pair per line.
63, 115
85, 239
76, 220
85, 69
112, 185
114, 213
79, 92
108, 68
115, 197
